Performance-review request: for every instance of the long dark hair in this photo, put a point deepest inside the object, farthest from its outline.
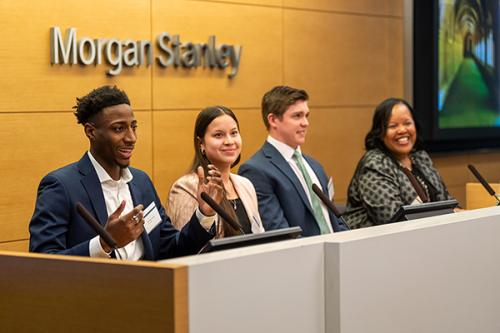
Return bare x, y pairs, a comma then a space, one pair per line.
203, 120
375, 138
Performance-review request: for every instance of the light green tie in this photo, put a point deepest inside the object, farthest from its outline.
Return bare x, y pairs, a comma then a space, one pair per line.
316, 204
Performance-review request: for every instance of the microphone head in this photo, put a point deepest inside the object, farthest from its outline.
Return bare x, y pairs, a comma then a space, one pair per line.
328, 203
473, 169
207, 198
315, 188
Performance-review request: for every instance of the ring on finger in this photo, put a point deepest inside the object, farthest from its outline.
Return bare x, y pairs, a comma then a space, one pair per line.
136, 218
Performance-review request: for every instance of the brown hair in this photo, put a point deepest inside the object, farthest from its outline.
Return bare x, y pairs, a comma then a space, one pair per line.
278, 99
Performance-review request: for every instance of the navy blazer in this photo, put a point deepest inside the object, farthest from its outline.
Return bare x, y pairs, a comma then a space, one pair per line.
282, 200
56, 226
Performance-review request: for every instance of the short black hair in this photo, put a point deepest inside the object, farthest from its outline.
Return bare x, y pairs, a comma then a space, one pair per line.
278, 99
91, 104
375, 138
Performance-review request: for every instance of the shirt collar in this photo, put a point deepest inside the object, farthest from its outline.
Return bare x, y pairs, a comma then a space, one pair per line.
285, 150
126, 175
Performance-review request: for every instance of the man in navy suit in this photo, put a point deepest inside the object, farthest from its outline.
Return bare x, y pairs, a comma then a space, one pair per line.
282, 176
123, 199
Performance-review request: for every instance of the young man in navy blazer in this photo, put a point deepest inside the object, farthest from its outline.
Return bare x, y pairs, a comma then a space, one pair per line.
122, 199
282, 176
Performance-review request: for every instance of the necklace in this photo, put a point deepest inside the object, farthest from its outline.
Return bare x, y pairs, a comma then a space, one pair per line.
424, 185
230, 186
417, 182
234, 202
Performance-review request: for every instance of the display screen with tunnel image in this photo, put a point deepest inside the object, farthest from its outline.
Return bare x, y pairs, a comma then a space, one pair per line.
468, 63
456, 73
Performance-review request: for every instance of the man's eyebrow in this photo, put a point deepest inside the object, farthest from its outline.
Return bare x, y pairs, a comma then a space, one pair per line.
119, 122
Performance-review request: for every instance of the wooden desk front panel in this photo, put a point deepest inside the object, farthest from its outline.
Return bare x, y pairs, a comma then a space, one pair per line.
50, 293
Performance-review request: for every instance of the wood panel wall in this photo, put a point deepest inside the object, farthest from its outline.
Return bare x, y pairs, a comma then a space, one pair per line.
347, 54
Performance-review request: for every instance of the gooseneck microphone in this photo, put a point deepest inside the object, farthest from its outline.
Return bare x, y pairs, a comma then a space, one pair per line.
484, 182
328, 203
222, 213
87, 216
325, 200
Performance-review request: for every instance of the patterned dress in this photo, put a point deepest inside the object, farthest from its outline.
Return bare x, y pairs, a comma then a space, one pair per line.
379, 187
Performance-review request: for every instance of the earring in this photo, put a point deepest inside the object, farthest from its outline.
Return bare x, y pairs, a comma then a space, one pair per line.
202, 151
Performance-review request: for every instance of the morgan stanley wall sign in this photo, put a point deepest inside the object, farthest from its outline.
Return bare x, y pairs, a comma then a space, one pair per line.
129, 53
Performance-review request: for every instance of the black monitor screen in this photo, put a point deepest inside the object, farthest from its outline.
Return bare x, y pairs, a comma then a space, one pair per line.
412, 212
252, 239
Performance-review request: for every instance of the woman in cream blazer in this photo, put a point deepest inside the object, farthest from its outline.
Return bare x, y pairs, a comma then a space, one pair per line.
217, 141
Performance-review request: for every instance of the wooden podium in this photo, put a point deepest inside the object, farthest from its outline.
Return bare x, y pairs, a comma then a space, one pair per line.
52, 293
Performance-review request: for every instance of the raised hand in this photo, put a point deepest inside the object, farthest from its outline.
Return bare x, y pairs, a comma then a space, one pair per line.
213, 187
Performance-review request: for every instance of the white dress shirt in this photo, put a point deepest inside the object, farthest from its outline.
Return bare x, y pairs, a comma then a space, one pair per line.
115, 191
287, 152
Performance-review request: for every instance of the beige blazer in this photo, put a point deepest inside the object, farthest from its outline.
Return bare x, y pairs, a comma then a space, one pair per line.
182, 200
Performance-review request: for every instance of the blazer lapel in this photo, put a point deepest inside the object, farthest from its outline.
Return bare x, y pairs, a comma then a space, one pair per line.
91, 183
137, 199
279, 161
246, 199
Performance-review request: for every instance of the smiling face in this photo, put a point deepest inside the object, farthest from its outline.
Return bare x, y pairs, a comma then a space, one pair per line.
291, 127
112, 137
222, 141
401, 134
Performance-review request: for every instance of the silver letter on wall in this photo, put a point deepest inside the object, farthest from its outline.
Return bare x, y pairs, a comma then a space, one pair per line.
66, 49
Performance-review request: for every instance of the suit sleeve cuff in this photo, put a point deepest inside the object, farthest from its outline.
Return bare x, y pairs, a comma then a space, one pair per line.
206, 221
96, 250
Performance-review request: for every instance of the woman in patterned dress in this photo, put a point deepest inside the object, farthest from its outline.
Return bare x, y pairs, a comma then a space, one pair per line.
393, 170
